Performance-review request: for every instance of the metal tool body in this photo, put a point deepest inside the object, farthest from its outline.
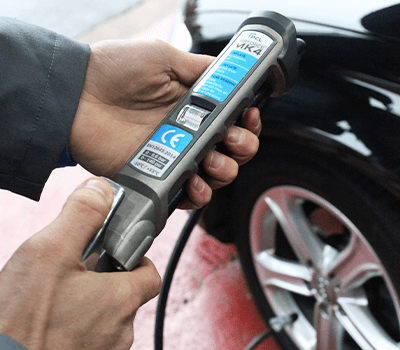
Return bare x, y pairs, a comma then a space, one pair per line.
263, 53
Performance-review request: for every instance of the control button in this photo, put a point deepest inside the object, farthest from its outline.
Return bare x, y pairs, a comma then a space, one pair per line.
192, 116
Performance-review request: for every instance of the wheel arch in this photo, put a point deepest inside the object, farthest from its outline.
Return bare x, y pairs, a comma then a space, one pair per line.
317, 139
218, 219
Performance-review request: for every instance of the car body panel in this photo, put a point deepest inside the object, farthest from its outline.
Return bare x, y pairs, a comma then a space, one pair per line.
348, 94
337, 131
341, 15
351, 114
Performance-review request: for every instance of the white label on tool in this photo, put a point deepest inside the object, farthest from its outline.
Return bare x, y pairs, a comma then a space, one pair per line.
233, 66
160, 152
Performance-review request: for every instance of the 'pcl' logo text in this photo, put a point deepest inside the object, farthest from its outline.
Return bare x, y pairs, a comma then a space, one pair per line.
254, 37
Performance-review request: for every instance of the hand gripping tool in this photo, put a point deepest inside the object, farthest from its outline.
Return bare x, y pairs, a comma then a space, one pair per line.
262, 55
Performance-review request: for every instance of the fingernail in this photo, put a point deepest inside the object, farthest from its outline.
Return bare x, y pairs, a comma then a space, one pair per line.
97, 185
258, 124
235, 135
216, 160
198, 184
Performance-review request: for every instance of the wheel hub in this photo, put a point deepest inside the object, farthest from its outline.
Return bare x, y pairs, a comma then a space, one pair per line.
322, 285
324, 289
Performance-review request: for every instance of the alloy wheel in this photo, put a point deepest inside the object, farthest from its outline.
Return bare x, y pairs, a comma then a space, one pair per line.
312, 260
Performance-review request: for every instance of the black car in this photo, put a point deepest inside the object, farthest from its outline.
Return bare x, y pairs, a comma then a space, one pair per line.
316, 214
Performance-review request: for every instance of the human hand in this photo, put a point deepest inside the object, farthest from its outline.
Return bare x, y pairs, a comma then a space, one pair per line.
130, 87
48, 300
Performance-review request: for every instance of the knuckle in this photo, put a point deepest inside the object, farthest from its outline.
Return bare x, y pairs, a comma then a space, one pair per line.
234, 171
250, 148
157, 284
256, 144
127, 297
124, 338
135, 295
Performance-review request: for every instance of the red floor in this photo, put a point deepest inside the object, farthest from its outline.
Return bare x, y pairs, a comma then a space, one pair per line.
209, 306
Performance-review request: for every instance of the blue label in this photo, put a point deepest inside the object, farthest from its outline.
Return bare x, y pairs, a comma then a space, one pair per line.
172, 137
228, 75
234, 64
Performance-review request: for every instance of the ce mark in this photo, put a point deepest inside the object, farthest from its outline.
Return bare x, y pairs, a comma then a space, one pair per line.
174, 139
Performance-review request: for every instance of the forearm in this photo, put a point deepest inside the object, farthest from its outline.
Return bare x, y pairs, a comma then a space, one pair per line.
42, 75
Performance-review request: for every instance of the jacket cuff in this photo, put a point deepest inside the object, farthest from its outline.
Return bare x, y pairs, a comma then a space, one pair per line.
7, 343
65, 158
39, 97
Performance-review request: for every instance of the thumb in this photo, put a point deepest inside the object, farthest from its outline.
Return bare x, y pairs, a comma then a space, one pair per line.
83, 214
188, 66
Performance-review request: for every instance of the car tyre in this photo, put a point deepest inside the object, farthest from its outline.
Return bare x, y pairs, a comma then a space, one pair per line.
317, 238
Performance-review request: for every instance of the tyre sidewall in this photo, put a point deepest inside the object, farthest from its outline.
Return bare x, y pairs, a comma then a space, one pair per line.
362, 201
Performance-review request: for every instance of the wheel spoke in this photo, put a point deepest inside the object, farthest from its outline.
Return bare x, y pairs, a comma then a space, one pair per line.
356, 318
355, 265
283, 274
289, 213
329, 330
335, 264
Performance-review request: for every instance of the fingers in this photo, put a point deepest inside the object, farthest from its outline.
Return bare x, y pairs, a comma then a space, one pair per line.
222, 170
145, 281
251, 120
127, 291
198, 193
243, 142
82, 216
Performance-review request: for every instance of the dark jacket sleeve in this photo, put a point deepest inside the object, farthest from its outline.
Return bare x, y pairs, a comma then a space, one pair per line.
6, 343
41, 79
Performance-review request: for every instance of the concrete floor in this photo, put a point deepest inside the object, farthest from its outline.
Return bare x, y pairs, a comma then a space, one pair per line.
209, 306
134, 22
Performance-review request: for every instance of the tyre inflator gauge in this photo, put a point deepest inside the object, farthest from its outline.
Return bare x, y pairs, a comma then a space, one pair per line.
262, 54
